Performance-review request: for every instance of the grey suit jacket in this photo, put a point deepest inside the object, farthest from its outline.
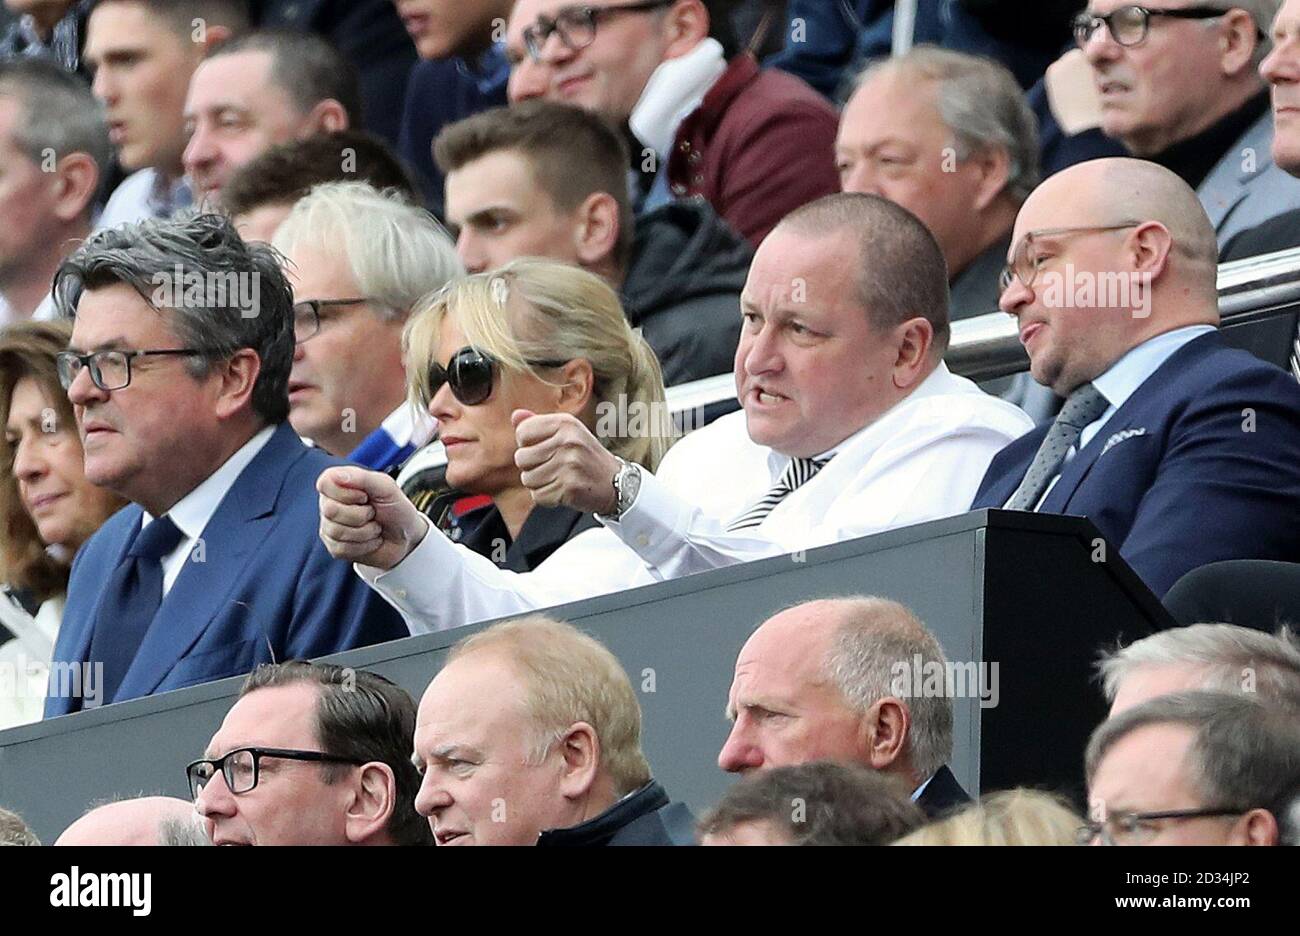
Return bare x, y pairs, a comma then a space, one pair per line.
1246, 187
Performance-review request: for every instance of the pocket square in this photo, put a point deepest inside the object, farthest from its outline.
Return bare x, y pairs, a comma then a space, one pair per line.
1119, 437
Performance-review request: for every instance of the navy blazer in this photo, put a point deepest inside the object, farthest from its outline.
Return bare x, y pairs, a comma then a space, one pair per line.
1201, 463
265, 589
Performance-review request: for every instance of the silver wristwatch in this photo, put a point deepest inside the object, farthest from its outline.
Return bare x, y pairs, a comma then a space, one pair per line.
627, 482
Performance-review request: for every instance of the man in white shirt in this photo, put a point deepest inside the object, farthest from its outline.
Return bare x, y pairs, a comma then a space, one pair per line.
1182, 450
840, 372
177, 371
54, 151
142, 54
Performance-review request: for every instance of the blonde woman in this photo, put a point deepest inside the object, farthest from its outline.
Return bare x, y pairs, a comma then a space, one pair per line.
1011, 817
48, 507
539, 337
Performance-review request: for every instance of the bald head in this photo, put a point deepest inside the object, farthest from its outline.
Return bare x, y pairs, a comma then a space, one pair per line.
1107, 255
138, 821
816, 682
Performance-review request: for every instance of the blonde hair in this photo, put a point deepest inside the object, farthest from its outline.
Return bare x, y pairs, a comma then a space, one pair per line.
396, 251
1011, 817
538, 310
570, 677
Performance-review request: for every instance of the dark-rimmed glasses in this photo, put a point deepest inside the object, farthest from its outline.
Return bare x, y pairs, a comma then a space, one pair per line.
470, 374
1024, 261
576, 25
242, 766
1133, 828
111, 370
306, 315
1129, 25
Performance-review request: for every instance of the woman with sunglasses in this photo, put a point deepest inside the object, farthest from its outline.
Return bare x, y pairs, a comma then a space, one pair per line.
538, 336
47, 506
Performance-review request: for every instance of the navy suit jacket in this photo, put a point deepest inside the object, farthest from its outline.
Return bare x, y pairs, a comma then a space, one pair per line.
265, 588
1201, 463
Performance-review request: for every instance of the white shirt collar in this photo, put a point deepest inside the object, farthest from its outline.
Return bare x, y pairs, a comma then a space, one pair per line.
409, 425
1123, 377
675, 89
193, 511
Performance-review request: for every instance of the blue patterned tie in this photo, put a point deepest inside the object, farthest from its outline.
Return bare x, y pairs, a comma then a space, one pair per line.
1083, 407
798, 472
131, 599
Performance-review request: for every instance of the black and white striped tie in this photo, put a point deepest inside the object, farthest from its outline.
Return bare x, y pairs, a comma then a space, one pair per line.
798, 472
1295, 355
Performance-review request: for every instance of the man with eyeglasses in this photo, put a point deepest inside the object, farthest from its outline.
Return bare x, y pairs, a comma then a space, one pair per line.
312, 754
1193, 768
1178, 84
754, 144
1182, 450
180, 397
358, 260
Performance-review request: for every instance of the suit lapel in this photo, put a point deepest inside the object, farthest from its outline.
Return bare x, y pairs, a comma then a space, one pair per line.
240, 524
73, 643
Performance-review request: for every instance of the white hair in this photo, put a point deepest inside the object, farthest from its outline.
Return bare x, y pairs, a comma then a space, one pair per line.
397, 252
1225, 653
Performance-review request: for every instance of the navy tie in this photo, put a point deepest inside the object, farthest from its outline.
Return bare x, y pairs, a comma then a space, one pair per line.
131, 599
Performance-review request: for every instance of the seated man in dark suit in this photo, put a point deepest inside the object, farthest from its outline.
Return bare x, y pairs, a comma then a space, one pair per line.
820, 681
531, 735
1180, 449
178, 371
311, 754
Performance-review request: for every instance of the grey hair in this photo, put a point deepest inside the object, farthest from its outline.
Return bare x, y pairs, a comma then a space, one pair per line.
875, 637
982, 104
397, 252
14, 831
59, 114
204, 247
1288, 820
1244, 755
1226, 654
184, 832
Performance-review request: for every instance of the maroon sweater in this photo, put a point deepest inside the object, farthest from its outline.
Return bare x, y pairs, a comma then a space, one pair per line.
760, 144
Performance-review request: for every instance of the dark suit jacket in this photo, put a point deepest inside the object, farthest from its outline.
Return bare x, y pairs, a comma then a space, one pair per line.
265, 589
645, 817
942, 794
1201, 463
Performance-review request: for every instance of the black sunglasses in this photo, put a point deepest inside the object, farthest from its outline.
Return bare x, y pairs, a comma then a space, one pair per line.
470, 374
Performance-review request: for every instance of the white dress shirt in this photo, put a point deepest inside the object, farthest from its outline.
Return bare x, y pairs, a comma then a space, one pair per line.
921, 460
1123, 378
193, 511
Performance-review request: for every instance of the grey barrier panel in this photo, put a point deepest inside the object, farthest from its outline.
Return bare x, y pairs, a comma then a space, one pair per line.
678, 640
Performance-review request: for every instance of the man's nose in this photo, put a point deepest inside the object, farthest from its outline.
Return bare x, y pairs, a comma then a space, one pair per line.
739, 753
84, 390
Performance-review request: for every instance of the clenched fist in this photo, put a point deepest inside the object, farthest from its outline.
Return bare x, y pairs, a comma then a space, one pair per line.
562, 463
365, 517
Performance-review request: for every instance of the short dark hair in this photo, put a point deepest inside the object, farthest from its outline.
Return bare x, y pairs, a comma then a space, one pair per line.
146, 256
307, 67
359, 715
181, 14
287, 172
822, 803
901, 270
573, 154
1244, 754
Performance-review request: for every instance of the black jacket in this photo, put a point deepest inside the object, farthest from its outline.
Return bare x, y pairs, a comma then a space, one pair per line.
545, 530
942, 794
683, 288
645, 817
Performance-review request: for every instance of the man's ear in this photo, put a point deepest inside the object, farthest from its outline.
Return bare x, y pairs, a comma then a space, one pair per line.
328, 116
686, 25
1149, 246
1238, 42
883, 734
580, 749
238, 377
993, 165
77, 178
372, 804
915, 339
209, 37
1257, 827
596, 229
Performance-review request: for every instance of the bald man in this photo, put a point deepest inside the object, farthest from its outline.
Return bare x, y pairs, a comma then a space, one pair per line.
146, 820
817, 682
1181, 450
